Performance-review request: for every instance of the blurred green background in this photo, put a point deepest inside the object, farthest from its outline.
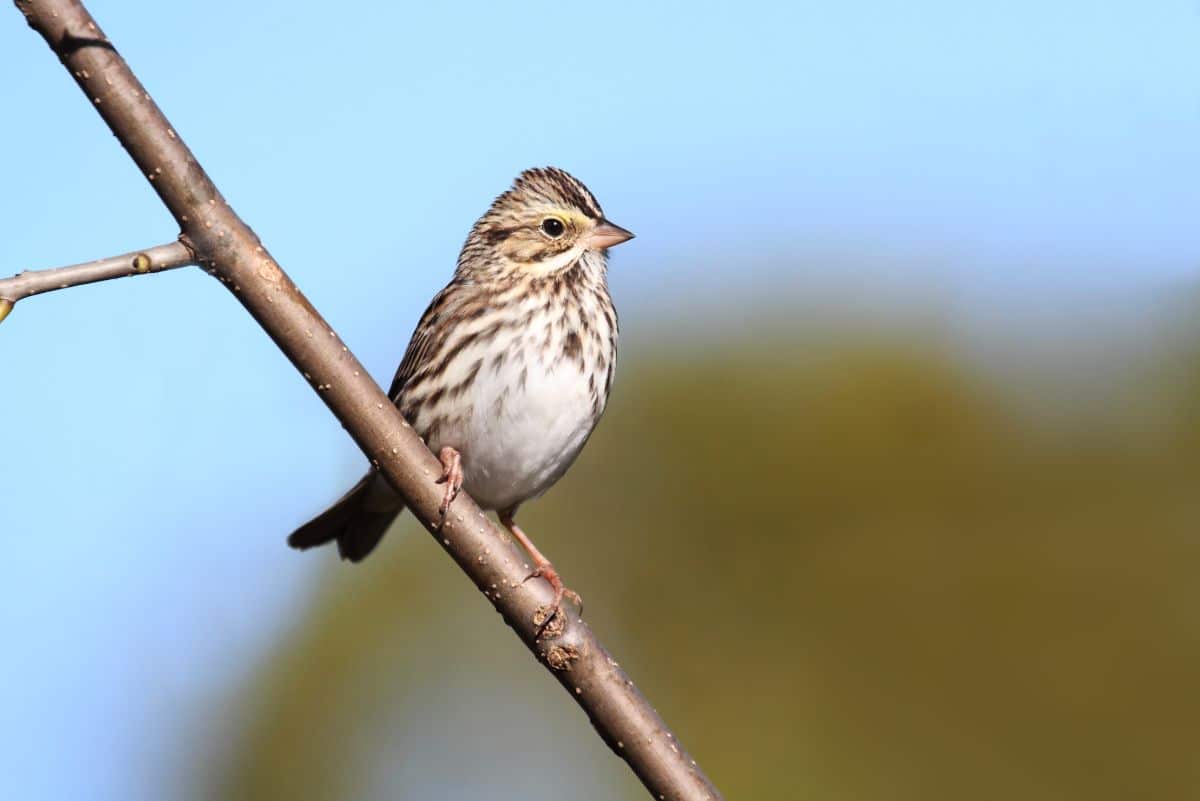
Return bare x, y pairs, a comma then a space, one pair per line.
849, 569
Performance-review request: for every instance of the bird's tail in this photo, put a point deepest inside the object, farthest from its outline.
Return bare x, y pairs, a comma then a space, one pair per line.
357, 520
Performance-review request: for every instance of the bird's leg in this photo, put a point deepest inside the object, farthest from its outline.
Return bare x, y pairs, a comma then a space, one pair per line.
452, 477
541, 568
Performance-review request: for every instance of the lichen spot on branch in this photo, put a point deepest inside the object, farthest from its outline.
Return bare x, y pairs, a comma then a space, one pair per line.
560, 657
269, 271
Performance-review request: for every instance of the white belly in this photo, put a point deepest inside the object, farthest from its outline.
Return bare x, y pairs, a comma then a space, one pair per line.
519, 394
516, 441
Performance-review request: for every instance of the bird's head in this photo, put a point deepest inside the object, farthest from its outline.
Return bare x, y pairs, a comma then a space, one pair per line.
544, 224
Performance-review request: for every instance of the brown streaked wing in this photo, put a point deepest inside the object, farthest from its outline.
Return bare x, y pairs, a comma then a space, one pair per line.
430, 331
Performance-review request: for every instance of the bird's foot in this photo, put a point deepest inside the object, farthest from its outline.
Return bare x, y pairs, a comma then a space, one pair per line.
452, 477
550, 617
546, 571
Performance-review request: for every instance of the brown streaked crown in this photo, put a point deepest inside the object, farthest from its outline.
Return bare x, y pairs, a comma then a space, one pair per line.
538, 225
551, 185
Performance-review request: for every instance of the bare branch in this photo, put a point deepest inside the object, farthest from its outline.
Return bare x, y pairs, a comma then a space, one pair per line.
140, 262
224, 245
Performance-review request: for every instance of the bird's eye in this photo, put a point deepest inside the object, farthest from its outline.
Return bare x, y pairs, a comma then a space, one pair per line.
553, 227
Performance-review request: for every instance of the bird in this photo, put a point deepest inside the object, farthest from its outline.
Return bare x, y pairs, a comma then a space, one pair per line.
509, 369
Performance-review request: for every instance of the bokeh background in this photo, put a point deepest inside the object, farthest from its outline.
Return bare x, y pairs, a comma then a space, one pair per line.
897, 494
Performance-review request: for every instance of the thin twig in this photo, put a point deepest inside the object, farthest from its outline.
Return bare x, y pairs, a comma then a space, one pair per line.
140, 262
225, 246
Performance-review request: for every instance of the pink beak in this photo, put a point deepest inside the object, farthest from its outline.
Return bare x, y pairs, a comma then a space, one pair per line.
605, 235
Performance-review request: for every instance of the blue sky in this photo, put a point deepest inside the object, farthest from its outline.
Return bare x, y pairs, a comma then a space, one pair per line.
157, 448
